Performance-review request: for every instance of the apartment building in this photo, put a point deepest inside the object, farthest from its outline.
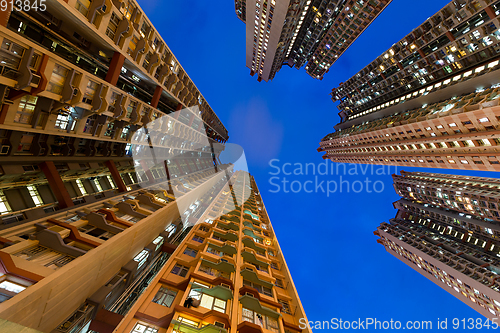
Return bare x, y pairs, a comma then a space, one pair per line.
229, 275
429, 101
446, 228
300, 32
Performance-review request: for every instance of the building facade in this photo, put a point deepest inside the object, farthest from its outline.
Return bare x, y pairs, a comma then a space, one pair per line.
457, 39
109, 155
228, 276
446, 228
430, 100
300, 32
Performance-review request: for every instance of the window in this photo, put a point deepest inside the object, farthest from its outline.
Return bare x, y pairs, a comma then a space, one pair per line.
213, 272
171, 229
210, 249
37, 199
285, 306
141, 328
90, 92
198, 239
190, 252
279, 283
274, 265
57, 79
188, 321
12, 287
180, 270
131, 107
112, 26
111, 181
141, 258
82, 6
158, 241
98, 185
261, 320
127, 9
110, 130
25, 109
207, 301
132, 45
9, 289
62, 120
125, 132
89, 124
4, 204
165, 297
82, 189
261, 289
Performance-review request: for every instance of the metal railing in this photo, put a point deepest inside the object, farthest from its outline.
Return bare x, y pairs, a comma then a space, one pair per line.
123, 304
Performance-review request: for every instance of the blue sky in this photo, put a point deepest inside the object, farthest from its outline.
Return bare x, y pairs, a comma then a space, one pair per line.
338, 268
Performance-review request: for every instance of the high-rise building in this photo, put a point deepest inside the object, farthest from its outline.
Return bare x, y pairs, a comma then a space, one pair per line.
109, 155
229, 275
302, 32
446, 228
428, 101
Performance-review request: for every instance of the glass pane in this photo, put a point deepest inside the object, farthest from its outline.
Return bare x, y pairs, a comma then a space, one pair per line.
207, 301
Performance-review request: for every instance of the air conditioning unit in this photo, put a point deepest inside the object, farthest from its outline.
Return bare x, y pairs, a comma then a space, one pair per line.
102, 9
8, 101
249, 294
225, 285
4, 149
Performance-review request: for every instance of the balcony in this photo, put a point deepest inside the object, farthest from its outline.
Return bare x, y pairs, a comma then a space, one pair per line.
184, 328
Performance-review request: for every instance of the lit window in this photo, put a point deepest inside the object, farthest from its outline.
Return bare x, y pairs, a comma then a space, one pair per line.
170, 229
207, 301
62, 120
98, 185
141, 258
4, 204
111, 182
35, 195
188, 321
12, 287
141, 328
25, 109
158, 241
82, 189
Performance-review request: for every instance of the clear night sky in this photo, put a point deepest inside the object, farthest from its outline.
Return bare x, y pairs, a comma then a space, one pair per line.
337, 266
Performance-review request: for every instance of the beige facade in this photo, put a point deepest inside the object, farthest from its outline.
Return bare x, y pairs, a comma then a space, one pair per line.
458, 133
229, 275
